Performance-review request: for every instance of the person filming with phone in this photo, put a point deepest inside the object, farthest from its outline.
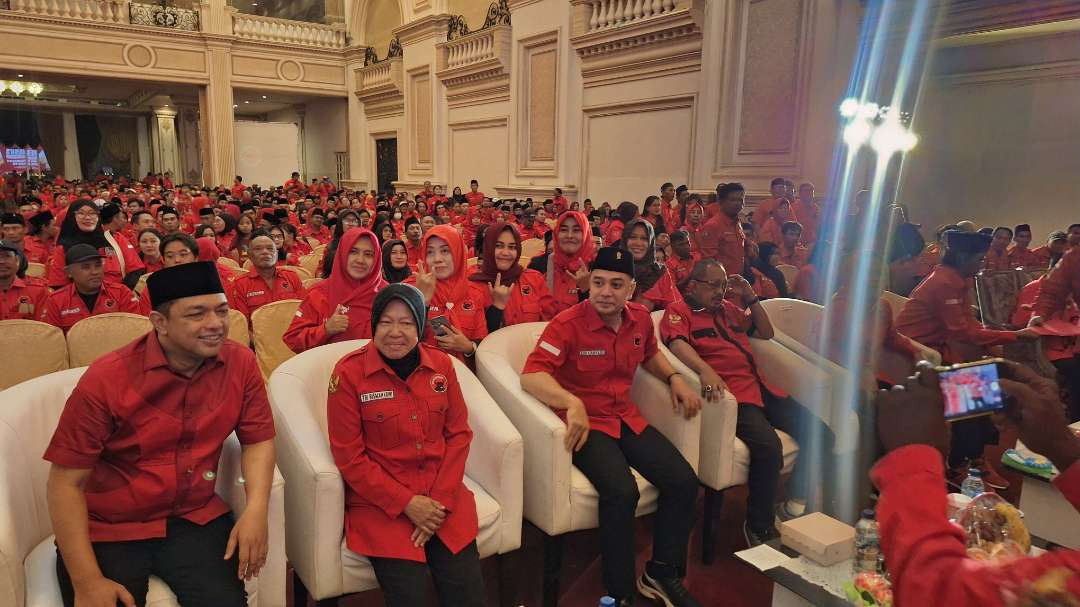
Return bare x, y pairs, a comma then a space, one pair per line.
926, 553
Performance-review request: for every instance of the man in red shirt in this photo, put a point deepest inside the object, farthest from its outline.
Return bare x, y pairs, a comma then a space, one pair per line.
939, 315
791, 250
294, 183
266, 282
559, 204
926, 553
131, 488
316, 227
766, 208
17, 298
88, 294
997, 257
474, 196
722, 237
682, 258
238, 187
1020, 256
413, 233
582, 368
807, 209
710, 334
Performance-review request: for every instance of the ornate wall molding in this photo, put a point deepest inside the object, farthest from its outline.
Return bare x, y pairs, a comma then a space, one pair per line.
381, 88
970, 16
476, 68
163, 15
539, 58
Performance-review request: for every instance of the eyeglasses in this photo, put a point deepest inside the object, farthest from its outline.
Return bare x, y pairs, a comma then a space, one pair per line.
86, 214
717, 284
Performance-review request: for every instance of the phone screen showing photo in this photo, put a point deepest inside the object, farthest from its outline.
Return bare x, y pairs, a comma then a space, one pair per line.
971, 391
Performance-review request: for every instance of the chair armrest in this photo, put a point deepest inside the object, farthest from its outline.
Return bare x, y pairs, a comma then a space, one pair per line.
314, 490
547, 463
653, 398
268, 590
816, 382
496, 456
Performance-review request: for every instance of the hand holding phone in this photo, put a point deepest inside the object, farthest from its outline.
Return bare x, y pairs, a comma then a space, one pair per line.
439, 324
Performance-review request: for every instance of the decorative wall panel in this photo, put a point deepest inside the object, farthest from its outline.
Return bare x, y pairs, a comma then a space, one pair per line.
770, 76
420, 116
539, 105
479, 150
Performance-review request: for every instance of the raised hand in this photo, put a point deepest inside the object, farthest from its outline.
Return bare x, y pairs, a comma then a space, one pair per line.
338, 322
425, 281
500, 293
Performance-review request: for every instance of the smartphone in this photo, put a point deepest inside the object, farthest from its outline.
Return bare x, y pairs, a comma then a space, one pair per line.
439, 324
971, 389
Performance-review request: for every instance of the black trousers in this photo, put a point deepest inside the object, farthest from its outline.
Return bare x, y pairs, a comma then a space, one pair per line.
188, 559
1069, 368
606, 462
458, 579
756, 427
969, 438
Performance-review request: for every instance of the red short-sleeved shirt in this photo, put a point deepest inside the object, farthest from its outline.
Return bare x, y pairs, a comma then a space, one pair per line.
394, 439
250, 292
152, 438
23, 300
530, 300
736, 365
65, 307
596, 364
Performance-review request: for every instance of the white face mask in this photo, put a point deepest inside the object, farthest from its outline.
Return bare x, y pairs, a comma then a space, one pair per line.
397, 216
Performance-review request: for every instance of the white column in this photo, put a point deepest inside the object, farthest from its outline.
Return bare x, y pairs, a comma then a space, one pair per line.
72, 164
143, 136
163, 135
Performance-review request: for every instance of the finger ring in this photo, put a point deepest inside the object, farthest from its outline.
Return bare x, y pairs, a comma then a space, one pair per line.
708, 388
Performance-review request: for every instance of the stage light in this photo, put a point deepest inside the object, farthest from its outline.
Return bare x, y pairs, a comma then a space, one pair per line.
856, 133
849, 107
869, 111
35, 88
3, 86
16, 87
891, 137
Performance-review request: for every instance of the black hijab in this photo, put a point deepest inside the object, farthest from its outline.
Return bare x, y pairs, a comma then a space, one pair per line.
71, 235
646, 271
761, 264
392, 274
404, 366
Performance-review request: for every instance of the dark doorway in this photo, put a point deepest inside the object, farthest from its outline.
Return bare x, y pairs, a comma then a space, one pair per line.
386, 165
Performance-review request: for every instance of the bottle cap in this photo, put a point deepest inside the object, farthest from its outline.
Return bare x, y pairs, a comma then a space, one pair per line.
607, 601
868, 514
975, 472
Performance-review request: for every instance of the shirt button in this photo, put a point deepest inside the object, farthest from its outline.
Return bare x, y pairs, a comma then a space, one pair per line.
209, 475
379, 417
413, 417
419, 445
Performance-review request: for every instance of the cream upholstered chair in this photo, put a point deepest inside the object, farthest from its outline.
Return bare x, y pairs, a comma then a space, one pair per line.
790, 272
141, 285
311, 282
472, 261
533, 247
315, 493
35, 269
268, 325
310, 262
95, 336
313, 242
238, 328
27, 553
725, 460
301, 271
559, 499
48, 354
229, 261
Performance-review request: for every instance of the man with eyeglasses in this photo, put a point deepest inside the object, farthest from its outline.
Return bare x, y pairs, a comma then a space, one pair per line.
710, 333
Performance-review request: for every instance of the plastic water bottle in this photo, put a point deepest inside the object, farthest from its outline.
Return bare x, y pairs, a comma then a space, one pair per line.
973, 484
867, 545
607, 601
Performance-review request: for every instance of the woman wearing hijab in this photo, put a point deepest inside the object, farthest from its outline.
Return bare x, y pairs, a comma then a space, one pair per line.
442, 277
406, 520
515, 295
573, 249
346, 220
209, 251
625, 212
655, 288
384, 231
768, 282
395, 261
82, 225
224, 231
339, 307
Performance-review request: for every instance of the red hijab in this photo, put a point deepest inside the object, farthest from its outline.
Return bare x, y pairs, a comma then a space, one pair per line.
587, 252
453, 288
488, 269
208, 250
343, 289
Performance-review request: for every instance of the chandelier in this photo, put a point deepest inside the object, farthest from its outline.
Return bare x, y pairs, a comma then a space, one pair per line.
18, 87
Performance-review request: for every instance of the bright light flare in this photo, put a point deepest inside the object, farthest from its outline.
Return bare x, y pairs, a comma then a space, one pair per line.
891, 137
857, 133
849, 107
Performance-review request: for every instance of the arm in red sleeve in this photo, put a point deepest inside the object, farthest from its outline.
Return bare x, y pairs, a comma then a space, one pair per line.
84, 426
256, 423
926, 554
1056, 287
892, 338
549, 307
458, 436
368, 480
56, 277
550, 351
51, 312
961, 326
239, 303
1068, 483
130, 302
307, 329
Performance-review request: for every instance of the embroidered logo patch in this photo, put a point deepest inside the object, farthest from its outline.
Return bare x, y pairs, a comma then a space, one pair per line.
334, 381
674, 319
467, 306
637, 341
550, 348
110, 303
526, 290
592, 353
438, 383
370, 396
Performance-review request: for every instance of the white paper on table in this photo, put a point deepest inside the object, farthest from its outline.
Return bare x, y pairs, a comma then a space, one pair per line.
763, 557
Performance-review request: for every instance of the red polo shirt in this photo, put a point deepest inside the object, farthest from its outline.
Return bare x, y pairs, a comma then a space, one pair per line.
250, 291
997, 260
323, 234
681, 268
1028, 258
723, 239
36, 250
597, 364
23, 300
475, 199
413, 251
732, 359
66, 307
152, 438
394, 439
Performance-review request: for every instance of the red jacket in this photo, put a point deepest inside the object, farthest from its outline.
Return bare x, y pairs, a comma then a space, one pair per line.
530, 300
23, 300
57, 277
308, 327
722, 238
1055, 348
663, 293
926, 554
66, 307
394, 439
1056, 287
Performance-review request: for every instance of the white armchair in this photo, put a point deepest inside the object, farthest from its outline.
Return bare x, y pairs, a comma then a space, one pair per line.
559, 499
315, 493
28, 418
724, 460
